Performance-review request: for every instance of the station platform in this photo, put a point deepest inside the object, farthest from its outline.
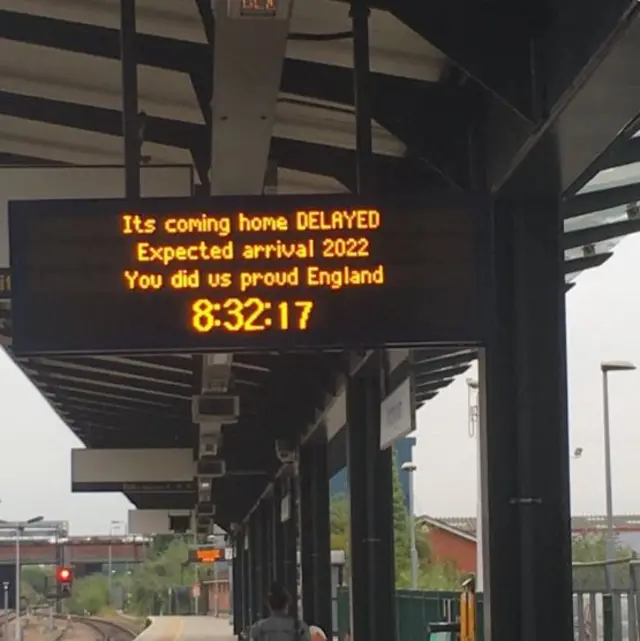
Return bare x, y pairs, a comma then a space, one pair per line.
188, 628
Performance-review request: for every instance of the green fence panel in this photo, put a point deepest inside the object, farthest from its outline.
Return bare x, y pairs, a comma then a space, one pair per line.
415, 610
344, 614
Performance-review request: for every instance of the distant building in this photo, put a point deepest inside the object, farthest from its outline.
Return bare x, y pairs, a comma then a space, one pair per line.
453, 540
404, 450
450, 544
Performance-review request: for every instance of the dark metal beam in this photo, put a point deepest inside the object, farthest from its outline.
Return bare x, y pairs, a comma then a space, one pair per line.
10, 160
165, 362
159, 382
426, 363
60, 397
581, 124
101, 383
423, 378
600, 199
600, 233
627, 155
434, 386
439, 142
390, 173
586, 262
422, 396
117, 397
154, 51
130, 120
164, 131
622, 151
493, 44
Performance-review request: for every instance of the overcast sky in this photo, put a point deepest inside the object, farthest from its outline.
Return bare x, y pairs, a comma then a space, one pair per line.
603, 321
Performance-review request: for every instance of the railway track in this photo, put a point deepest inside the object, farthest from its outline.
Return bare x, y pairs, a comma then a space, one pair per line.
80, 628
102, 629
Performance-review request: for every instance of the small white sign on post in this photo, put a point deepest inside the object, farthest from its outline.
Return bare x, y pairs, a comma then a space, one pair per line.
228, 554
398, 414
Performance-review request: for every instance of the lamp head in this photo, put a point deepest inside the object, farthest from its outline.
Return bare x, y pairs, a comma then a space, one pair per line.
617, 366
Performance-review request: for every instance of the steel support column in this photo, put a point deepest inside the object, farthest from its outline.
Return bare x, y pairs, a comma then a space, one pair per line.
246, 579
315, 532
525, 452
290, 539
237, 587
307, 538
254, 562
130, 120
266, 512
322, 526
278, 535
373, 609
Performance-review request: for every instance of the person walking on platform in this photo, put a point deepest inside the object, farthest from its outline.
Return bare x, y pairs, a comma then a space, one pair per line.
279, 626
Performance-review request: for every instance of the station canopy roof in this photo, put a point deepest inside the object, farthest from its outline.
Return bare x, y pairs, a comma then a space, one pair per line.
60, 104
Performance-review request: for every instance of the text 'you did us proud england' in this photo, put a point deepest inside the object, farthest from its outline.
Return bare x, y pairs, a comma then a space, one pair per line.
318, 249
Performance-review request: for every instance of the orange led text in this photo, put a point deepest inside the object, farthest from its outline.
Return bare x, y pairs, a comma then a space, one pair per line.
167, 254
340, 219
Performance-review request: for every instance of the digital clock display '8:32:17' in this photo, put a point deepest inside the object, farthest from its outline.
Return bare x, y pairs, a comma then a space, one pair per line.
249, 315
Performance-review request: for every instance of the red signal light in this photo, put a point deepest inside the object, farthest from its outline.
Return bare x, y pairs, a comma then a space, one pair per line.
64, 575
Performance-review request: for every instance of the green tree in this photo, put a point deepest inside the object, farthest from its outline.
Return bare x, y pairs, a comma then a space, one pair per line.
339, 519
37, 582
589, 568
592, 547
90, 594
401, 523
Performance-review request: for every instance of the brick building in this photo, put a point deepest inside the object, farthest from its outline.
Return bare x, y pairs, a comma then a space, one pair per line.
450, 544
453, 540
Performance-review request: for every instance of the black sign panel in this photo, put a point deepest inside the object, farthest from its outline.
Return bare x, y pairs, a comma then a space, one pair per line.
235, 273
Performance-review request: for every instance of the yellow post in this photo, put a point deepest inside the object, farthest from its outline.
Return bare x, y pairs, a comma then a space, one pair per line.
468, 610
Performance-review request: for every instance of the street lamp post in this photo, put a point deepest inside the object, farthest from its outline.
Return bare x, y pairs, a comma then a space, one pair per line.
410, 468
112, 527
606, 367
19, 530
5, 587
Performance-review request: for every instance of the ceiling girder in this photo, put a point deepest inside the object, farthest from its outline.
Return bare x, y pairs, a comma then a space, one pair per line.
422, 378
600, 233
600, 199
103, 383
130, 398
442, 143
120, 376
402, 174
60, 396
586, 262
492, 43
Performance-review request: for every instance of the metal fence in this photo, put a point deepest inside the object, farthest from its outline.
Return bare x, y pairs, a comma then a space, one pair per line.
606, 602
602, 612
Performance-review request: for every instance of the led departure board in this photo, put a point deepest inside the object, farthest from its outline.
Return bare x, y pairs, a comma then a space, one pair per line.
234, 273
206, 555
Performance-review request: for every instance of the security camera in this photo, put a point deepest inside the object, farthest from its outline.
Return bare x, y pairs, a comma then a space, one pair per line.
209, 444
205, 484
212, 467
285, 451
215, 407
